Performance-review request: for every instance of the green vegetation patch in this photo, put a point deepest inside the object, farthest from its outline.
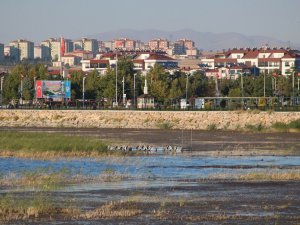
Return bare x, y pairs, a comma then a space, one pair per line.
287, 126
44, 142
255, 128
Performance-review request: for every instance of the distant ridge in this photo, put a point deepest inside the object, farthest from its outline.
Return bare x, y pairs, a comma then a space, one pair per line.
203, 40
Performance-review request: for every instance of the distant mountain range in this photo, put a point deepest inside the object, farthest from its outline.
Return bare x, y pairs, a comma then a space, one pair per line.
203, 40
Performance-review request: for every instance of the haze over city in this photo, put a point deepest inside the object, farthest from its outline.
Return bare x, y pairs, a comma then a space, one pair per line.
38, 20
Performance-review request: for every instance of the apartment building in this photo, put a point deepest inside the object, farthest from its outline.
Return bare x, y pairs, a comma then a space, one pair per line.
21, 49
51, 49
125, 44
69, 45
143, 61
86, 44
266, 59
1, 52
159, 44
37, 52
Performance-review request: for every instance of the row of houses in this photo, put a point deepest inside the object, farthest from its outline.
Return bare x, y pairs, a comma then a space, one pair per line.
265, 60
142, 61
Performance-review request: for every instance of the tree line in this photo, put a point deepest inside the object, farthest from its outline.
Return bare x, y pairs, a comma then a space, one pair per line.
162, 85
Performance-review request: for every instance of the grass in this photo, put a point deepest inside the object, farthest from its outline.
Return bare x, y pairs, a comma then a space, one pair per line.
16, 208
271, 175
287, 126
26, 144
212, 127
113, 210
164, 125
255, 128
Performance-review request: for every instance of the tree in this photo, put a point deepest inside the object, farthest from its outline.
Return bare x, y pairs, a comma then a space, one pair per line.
235, 92
92, 85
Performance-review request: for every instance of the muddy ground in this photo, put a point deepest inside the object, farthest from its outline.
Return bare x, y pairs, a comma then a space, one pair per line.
231, 203
192, 202
194, 140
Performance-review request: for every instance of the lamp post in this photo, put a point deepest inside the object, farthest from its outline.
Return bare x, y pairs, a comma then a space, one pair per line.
21, 88
123, 82
242, 83
116, 103
83, 81
186, 88
134, 103
264, 84
35, 97
1, 88
293, 82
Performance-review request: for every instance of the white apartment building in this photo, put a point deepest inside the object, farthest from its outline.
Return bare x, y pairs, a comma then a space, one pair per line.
51, 49
266, 59
21, 49
86, 45
37, 52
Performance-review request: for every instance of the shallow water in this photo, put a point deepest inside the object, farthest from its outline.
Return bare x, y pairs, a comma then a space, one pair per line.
158, 170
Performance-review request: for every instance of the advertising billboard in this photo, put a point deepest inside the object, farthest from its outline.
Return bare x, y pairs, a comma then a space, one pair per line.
53, 89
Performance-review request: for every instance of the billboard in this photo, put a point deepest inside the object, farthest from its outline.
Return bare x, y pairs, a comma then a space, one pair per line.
53, 89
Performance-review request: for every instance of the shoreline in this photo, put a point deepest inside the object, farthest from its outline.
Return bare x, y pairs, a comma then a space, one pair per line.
201, 143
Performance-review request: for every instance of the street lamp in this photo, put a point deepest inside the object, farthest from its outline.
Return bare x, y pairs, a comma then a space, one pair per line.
186, 88
264, 84
1, 88
83, 80
116, 103
123, 82
242, 83
293, 89
34, 81
22, 87
134, 90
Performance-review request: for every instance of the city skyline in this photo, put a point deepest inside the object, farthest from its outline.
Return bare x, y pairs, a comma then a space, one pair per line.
74, 19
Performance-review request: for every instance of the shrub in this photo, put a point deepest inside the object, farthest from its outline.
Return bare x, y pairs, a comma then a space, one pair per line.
255, 128
164, 125
212, 126
295, 124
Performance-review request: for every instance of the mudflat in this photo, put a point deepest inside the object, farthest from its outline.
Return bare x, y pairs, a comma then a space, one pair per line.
225, 142
224, 177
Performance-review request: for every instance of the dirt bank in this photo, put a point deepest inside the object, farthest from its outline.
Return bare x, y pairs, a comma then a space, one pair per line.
196, 120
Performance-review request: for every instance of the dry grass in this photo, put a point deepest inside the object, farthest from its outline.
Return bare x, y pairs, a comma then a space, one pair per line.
271, 175
57, 154
113, 210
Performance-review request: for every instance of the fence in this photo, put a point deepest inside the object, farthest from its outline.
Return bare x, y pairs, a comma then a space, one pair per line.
208, 104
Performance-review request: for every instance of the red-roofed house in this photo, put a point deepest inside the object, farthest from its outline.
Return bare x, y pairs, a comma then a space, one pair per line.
142, 62
267, 60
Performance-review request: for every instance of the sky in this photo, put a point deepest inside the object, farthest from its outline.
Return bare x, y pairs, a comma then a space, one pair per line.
37, 20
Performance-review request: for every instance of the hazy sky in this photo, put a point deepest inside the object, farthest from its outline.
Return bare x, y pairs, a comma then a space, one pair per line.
40, 19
